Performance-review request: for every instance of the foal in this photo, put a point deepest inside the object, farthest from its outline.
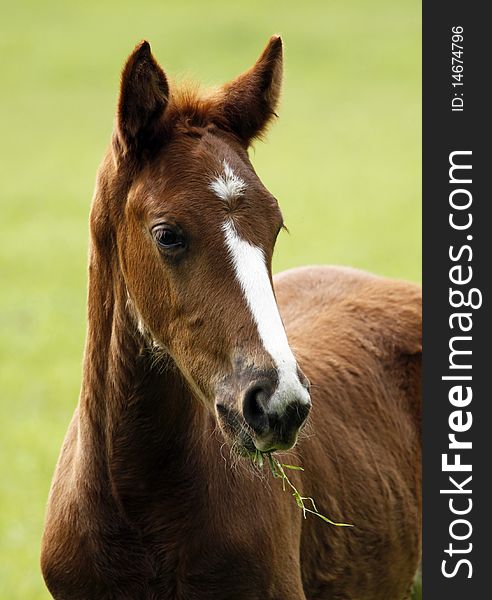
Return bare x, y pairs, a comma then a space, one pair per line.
186, 354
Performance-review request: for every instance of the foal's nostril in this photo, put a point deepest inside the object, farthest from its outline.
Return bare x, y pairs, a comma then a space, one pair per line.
303, 411
254, 410
296, 413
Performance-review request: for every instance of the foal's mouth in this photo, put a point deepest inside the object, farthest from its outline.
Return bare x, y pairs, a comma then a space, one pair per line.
245, 442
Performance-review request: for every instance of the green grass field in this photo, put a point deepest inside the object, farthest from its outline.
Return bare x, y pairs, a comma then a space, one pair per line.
344, 160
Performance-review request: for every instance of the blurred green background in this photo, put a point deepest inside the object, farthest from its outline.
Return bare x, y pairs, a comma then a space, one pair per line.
344, 160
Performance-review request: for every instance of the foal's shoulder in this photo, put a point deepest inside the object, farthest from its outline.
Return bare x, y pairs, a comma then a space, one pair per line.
337, 299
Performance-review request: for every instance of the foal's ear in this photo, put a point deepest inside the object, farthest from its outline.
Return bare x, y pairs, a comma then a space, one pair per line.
144, 94
248, 103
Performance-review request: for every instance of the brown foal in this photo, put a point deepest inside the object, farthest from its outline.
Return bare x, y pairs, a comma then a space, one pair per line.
189, 369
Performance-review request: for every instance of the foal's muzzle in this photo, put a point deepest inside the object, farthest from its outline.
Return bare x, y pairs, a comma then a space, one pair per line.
275, 425
263, 409
275, 414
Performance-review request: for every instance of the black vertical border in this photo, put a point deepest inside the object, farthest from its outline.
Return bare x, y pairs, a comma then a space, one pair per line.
445, 131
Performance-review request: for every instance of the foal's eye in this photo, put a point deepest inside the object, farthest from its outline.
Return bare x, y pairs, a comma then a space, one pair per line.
168, 238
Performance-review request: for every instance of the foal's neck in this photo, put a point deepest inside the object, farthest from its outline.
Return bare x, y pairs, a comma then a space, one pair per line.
139, 426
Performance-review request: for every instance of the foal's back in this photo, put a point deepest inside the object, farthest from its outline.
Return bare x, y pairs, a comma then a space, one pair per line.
358, 339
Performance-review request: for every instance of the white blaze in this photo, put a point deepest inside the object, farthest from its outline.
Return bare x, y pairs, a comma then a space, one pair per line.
252, 274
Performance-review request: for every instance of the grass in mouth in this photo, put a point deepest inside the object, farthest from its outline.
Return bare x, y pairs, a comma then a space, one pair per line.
278, 471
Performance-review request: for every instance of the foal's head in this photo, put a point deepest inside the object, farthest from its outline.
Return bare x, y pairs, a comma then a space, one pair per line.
194, 230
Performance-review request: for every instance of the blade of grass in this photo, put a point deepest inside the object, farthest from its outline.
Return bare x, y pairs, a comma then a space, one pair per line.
278, 471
